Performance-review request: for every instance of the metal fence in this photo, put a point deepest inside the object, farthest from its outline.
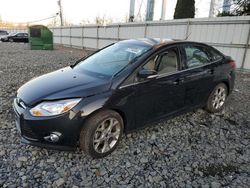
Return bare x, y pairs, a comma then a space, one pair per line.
231, 35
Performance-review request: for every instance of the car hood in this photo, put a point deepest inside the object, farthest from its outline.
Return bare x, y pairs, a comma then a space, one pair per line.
61, 84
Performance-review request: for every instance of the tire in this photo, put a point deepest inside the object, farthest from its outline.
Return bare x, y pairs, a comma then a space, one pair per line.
217, 98
11, 40
101, 133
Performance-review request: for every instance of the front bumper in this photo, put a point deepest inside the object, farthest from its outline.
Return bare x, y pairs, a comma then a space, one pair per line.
47, 145
4, 39
34, 130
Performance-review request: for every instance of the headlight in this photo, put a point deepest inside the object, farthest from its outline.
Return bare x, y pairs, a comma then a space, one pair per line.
54, 107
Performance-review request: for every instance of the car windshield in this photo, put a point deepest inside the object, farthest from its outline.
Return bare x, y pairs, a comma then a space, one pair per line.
112, 59
12, 34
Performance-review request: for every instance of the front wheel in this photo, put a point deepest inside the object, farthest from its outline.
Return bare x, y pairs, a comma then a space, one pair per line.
217, 98
11, 40
101, 133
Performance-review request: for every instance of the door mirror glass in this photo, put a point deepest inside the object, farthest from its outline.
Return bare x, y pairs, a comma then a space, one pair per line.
146, 73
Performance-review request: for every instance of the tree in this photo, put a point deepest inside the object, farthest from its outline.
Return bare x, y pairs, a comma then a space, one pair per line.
238, 8
103, 20
184, 9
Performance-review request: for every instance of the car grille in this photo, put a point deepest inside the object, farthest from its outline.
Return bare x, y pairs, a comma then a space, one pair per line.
27, 132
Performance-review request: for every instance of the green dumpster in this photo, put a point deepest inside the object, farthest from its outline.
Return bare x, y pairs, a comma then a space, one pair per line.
40, 38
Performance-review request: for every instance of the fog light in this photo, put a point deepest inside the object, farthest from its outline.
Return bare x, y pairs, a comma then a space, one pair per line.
53, 137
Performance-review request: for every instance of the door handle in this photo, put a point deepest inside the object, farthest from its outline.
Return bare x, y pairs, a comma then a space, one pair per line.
211, 71
178, 81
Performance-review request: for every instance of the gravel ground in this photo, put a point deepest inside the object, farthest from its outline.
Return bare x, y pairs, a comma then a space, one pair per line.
196, 149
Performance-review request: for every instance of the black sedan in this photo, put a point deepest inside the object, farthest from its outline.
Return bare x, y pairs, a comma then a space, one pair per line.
120, 88
16, 37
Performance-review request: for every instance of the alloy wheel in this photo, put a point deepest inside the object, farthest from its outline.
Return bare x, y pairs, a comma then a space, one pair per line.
219, 97
106, 135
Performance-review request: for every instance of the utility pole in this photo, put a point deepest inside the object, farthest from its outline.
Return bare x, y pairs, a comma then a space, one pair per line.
60, 11
163, 9
211, 11
132, 11
150, 10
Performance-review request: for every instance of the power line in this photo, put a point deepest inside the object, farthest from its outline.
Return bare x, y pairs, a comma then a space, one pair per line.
43, 19
33, 21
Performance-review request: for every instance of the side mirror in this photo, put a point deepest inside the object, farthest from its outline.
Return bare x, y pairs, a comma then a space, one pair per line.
146, 73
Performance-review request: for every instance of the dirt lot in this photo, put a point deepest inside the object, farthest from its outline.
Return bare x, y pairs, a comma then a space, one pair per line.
196, 149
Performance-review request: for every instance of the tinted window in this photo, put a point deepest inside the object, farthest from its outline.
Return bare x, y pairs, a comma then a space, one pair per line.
165, 62
196, 56
112, 59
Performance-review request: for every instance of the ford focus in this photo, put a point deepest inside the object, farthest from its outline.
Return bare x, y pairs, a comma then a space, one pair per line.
120, 88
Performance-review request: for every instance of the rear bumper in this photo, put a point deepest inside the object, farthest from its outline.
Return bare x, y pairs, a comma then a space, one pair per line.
231, 79
34, 130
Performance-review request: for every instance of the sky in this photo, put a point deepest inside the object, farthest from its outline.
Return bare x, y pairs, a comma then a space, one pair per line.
82, 11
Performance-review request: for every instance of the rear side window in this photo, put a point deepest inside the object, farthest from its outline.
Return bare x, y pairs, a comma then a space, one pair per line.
196, 56
215, 56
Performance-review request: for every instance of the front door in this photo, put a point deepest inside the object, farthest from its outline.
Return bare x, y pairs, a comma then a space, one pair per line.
162, 94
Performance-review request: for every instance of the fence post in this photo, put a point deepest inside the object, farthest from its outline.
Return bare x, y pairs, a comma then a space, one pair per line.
70, 43
61, 36
246, 48
82, 37
97, 37
145, 30
118, 33
187, 29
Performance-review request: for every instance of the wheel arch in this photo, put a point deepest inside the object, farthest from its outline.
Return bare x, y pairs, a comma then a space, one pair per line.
227, 85
120, 112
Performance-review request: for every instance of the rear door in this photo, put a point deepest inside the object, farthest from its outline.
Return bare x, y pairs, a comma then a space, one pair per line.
198, 74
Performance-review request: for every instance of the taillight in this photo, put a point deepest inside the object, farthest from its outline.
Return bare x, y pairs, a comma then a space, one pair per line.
232, 64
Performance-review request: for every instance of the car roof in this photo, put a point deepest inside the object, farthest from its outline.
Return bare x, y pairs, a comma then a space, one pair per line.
156, 42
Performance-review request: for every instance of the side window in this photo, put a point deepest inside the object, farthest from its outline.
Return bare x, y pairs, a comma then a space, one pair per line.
215, 56
165, 62
196, 56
